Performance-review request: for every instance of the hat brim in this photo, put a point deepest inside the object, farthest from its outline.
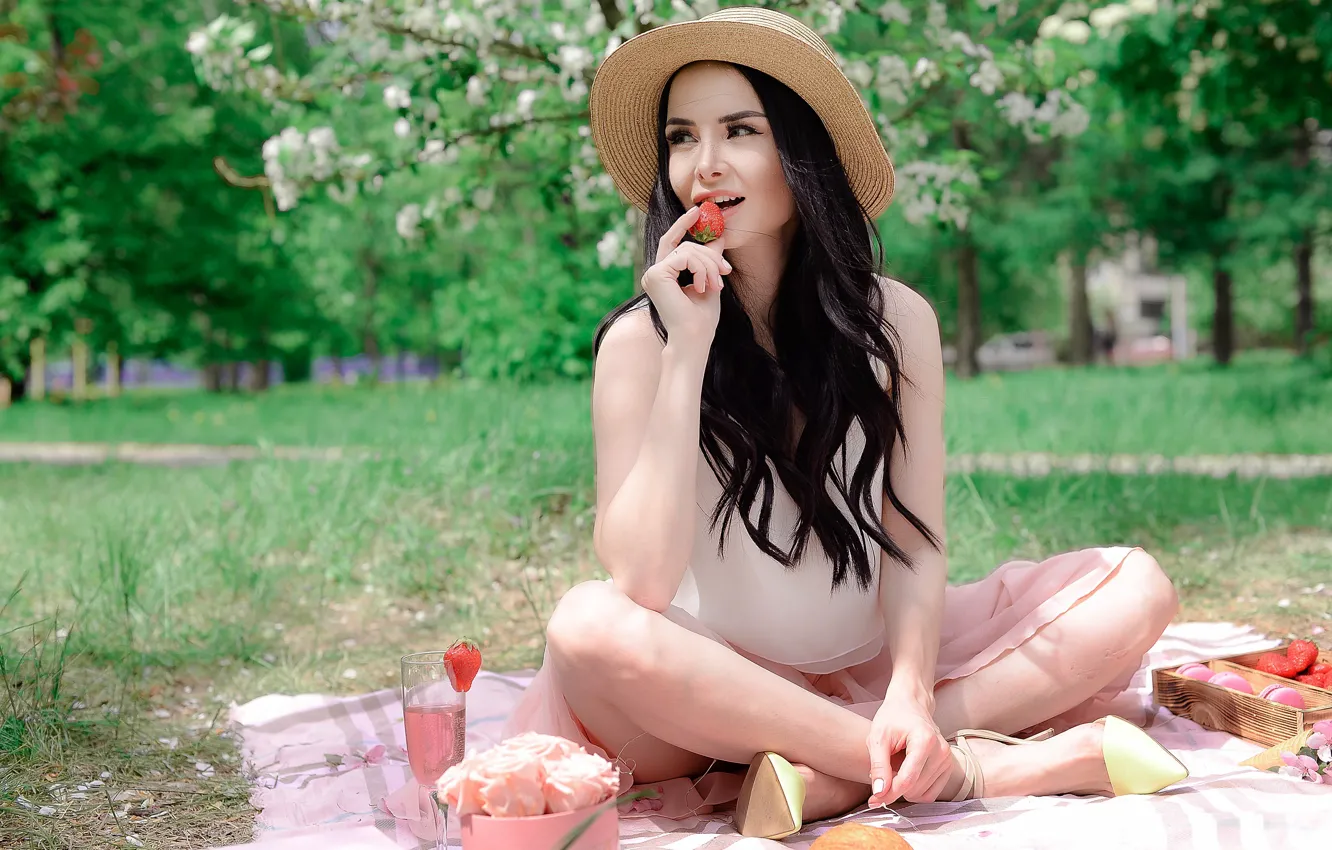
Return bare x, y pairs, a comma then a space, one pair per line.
627, 88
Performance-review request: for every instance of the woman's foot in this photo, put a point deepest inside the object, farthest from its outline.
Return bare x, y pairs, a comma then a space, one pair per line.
1069, 763
829, 796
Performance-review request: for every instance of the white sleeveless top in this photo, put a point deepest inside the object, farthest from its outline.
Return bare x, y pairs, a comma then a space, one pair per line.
792, 617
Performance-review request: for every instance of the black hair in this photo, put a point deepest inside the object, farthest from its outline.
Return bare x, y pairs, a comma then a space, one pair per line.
827, 325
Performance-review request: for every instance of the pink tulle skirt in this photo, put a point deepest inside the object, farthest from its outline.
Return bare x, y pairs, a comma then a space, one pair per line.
982, 621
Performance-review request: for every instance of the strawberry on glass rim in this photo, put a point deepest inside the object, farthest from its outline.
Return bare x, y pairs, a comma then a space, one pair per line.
463, 662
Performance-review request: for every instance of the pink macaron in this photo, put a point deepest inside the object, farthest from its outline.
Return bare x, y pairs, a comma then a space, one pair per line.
1283, 695
1200, 672
1234, 681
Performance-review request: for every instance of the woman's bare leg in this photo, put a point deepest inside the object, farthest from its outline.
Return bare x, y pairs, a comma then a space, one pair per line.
1068, 661
656, 693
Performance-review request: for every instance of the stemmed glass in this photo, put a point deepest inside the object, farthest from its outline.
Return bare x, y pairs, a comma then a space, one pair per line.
435, 715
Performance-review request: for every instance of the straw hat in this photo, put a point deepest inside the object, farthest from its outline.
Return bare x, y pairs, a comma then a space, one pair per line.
625, 94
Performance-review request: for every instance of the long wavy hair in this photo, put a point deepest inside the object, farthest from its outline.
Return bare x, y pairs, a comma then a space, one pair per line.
827, 326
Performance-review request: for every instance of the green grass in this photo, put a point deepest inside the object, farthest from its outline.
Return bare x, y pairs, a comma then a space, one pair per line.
1266, 402
132, 592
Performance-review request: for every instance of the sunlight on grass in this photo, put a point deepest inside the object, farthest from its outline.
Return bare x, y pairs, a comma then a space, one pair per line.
139, 601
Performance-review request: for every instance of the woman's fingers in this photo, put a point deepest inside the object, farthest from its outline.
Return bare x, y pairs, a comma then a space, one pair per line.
672, 237
704, 268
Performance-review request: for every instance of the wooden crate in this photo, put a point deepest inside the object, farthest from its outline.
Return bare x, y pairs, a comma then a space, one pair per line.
1247, 716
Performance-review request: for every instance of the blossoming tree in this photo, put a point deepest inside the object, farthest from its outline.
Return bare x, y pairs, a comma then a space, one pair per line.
464, 91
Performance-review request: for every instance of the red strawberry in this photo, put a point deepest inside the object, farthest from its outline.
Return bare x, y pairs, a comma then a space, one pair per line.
1303, 653
1310, 679
463, 661
1276, 664
710, 224
1320, 668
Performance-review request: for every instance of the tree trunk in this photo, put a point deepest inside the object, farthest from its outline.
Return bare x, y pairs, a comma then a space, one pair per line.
1079, 312
967, 364
369, 341
259, 380
230, 380
113, 364
37, 369
6, 391
1304, 303
1223, 320
79, 358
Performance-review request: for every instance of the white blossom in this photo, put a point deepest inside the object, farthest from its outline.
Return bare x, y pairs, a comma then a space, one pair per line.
526, 98
1108, 17
1074, 32
1143, 7
397, 98
402, 128
1049, 26
1017, 108
932, 190
612, 250
483, 197
926, 72
894, 11
988, 77
408, 221
893, 78
937, 16
860, 73
476, 90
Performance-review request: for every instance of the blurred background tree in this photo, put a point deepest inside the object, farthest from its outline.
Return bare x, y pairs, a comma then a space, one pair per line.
267, 182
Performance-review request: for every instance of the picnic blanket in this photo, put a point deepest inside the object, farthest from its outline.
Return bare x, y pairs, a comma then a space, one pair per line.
327, 767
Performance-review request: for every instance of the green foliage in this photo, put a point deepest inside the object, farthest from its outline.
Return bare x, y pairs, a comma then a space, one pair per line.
161, 175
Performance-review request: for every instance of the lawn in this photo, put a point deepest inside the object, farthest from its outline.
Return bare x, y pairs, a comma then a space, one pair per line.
137, 602
1265, 402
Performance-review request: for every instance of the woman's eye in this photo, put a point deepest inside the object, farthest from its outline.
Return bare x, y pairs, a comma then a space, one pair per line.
748, 129
734, 130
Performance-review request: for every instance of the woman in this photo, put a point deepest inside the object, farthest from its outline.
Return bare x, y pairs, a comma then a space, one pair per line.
770, 479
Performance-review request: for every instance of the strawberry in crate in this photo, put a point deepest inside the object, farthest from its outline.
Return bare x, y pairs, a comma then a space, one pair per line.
1300, 662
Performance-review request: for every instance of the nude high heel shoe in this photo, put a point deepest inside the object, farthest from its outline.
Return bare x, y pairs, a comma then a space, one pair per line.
772, 799
1136, 763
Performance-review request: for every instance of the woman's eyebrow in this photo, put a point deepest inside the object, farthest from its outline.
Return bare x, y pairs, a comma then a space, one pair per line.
725, 119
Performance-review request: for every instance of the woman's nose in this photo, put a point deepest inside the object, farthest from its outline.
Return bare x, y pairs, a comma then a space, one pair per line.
710, 164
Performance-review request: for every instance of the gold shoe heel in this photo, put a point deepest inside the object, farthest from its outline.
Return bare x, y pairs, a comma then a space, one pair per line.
772, 799
1136, 763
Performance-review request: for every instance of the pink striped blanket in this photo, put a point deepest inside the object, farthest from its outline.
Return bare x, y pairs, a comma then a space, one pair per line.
305, 801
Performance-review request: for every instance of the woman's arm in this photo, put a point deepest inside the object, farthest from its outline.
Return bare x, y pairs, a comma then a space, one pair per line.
646, 402
912, 602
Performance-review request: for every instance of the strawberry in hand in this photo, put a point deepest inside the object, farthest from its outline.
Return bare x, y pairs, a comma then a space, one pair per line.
710, 224
463, 662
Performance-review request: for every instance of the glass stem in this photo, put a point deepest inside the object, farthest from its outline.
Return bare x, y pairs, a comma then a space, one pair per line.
441, 821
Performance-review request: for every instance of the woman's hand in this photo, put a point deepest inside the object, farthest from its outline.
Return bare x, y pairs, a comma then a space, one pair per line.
690, 314
904, 722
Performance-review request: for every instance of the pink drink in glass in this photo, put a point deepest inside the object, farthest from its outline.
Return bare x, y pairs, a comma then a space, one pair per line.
436, 739
435, 716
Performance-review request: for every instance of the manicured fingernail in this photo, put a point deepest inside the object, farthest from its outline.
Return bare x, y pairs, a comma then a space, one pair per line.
878, 786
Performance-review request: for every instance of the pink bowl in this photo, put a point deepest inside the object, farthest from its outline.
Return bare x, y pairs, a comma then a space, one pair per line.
1201, 672
1234, 681
1283, 695
544, 832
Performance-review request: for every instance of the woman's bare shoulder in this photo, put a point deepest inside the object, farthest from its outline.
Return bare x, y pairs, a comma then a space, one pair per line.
630, 344
904, 307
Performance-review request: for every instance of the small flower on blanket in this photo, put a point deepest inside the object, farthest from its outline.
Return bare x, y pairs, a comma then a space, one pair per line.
1313, 762
529, 774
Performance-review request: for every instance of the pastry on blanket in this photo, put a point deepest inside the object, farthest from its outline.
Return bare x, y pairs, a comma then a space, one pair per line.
859, 836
